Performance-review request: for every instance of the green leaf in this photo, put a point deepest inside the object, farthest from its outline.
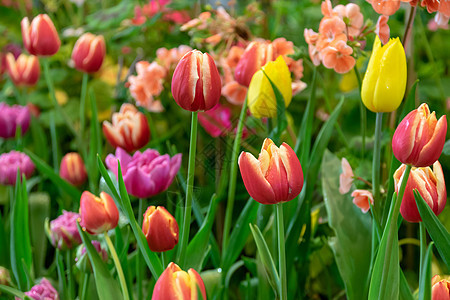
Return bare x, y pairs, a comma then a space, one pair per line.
239, 235
21, 257
405, 291
351, 244
425, 275
39, 211
410, 102
199, 243
54, 177
107, 287
12, 291
446, 150
266, 258
435, 229
95, 142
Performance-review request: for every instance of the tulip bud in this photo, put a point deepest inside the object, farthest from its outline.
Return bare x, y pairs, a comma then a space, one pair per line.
256, 55
429, 183
88, 52
83, 263
64, 232
12, 117
98, 214
276, 176
440, 289
261, 97
160, 228
420, 137
73, 169
24, 71
196, 83
129, 129
40, 37
175, 283
384, 83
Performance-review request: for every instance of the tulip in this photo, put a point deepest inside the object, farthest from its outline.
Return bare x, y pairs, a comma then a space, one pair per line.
276, 176
88, 52
73, 169
11, 162
440, 289
40, 37
43, 291
12, 117
160, 228
129, 129
196, 83
98, 214
82, 260
145, 174
261, 97
216, 121
431, 186
23, 71
384, 83
420, 137
361, 199
64, 232
176, 284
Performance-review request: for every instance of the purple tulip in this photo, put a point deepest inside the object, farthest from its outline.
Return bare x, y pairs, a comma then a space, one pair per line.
11, 117
11, 162
43, 291
145, 174
64, 231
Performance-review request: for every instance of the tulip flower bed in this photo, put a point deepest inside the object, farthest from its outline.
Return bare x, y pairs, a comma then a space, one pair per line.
160, 149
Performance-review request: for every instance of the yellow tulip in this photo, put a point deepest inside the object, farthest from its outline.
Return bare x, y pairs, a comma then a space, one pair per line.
261, 97
384, 83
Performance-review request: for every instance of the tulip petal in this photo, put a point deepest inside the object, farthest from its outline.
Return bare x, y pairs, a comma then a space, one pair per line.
430, 151
293, 170
277, 177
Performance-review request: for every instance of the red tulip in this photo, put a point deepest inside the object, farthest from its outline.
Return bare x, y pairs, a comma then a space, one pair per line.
40, 37
129, 129
160, 228
98, 214
276, 176
196, 82
24, 71
176, 284
88, 52
429, 183
420, 137
73, 169
440, 288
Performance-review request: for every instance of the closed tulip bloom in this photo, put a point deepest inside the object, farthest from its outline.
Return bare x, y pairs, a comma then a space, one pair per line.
176, 284
98, 214
11, 162
276, 176
129, 129
196, 83
40, 37
160, 228
64, 232
431, 186
23, 71
12, 117
440, 289
261, 97
384, 83
88, 52
256, 55
73, 169
420, 137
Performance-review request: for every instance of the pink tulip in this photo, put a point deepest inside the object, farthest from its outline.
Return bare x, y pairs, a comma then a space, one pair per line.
216, 121
361, 199
64, 231
11, 162
440, 289
12, 117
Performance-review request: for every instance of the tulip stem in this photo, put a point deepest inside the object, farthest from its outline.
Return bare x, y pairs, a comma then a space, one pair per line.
363, 114
281, 252
85, 286
376, 162
401, 191
189, 190
84, 83
233, 176
116, 260
70, 280
423, 245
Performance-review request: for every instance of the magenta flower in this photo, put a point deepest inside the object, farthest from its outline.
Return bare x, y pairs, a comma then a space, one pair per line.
43, 291
145, 174
64, 232
82, 260
216, 121
11, 117
11, 162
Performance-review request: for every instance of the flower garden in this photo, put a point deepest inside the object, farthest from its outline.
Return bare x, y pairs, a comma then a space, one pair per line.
273, 149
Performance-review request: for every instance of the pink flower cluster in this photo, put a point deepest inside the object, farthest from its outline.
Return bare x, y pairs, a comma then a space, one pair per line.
330, 46
142, 13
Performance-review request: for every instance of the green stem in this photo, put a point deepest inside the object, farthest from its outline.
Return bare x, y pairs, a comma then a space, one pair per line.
398, 199
409, 25
423, 245
115, 258
84, 84
376, 162
233, 176
70, 280
282, 252
54, 140
60, 270
189, 190
85, 286
363, 114
139, 274
163, 259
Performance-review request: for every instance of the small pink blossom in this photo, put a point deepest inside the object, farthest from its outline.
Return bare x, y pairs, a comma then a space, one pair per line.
346, 177
382, 29
361, 199
337, 56
353, 16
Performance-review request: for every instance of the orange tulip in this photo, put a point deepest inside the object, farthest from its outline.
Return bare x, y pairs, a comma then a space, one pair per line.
24, 71
440, 289
98, 214
88, 52
73, 169
40, 37
160, 228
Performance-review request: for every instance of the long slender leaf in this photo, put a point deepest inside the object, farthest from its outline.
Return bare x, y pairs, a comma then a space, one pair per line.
425, 275
107, 287
405, 291
95, 142
12, 291
436, 230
